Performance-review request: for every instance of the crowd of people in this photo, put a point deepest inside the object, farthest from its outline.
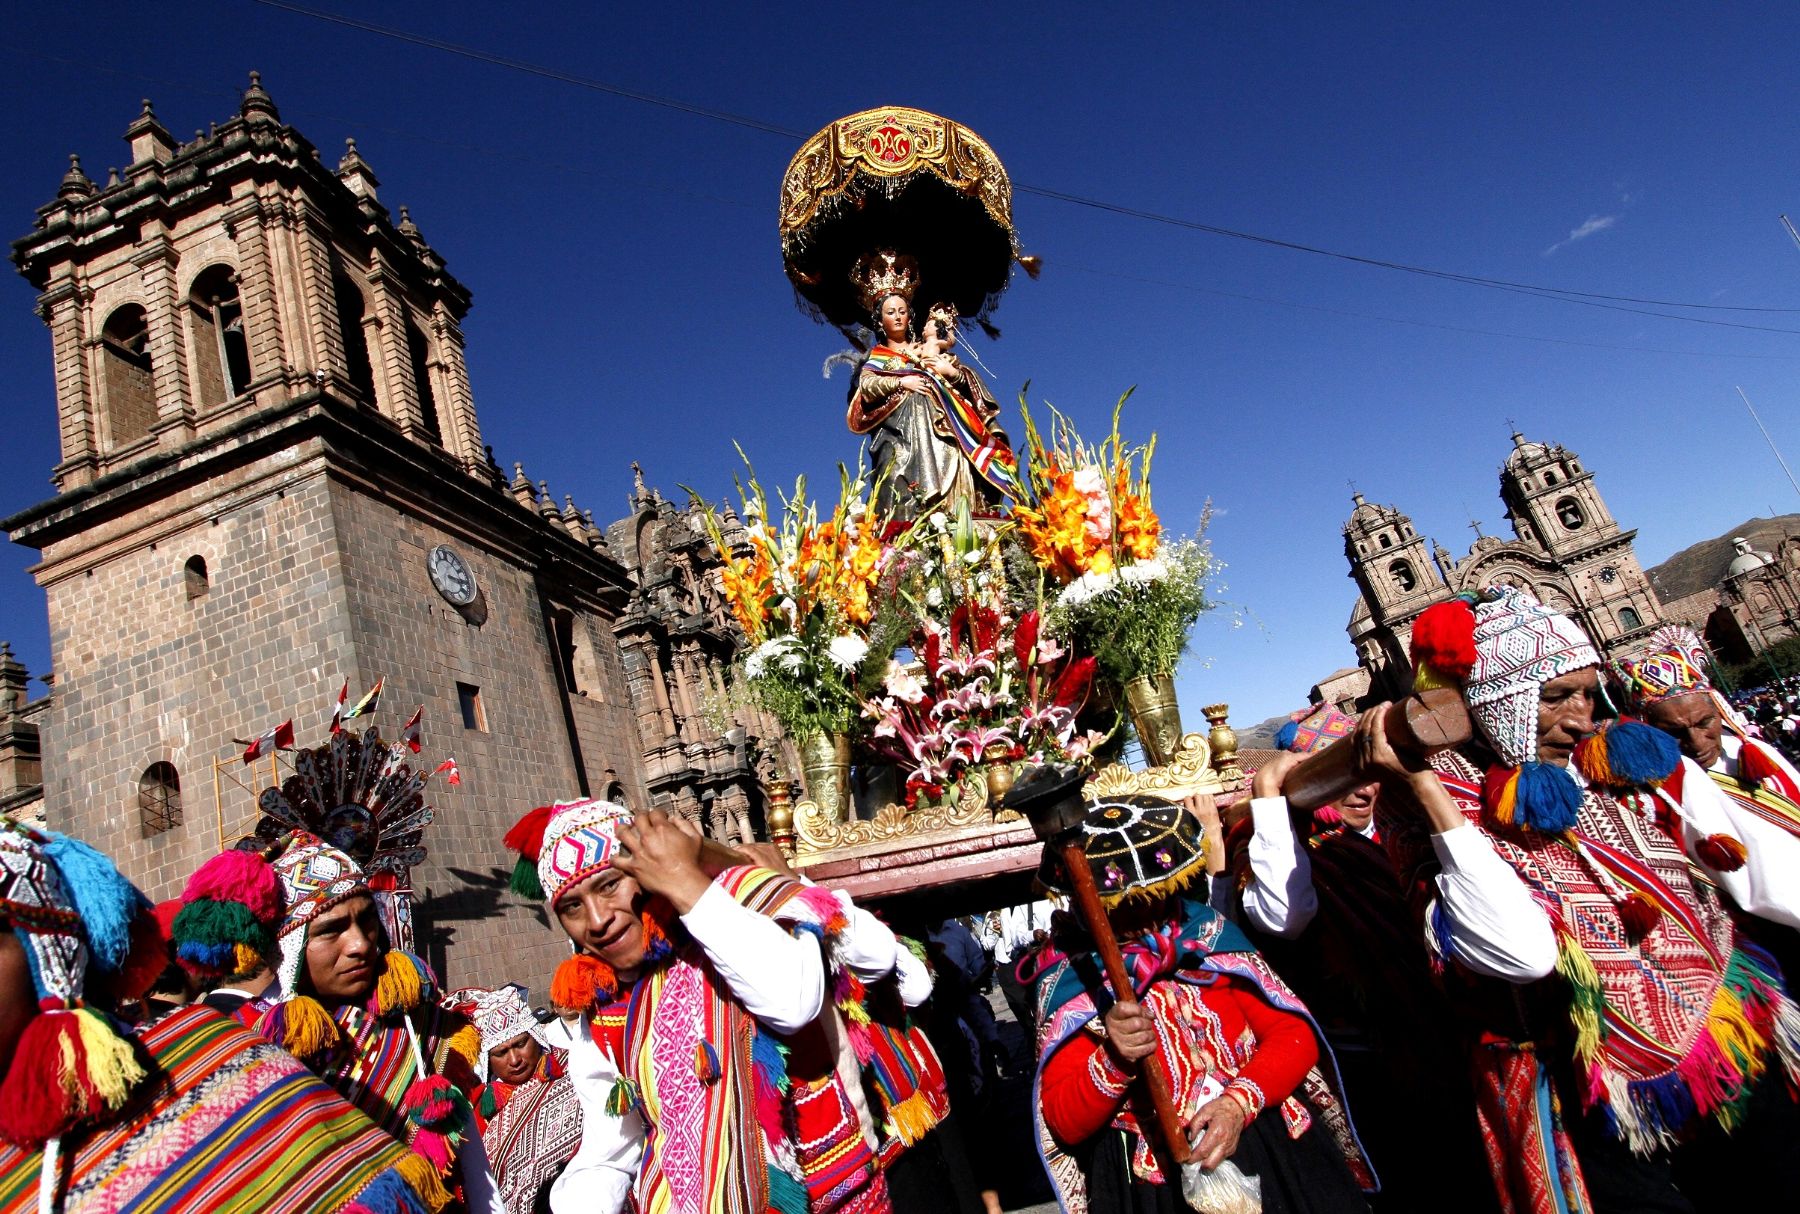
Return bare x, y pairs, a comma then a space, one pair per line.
1539, 973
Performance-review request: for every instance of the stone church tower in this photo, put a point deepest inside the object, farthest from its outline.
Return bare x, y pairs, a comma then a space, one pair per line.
1567, 549
272, 480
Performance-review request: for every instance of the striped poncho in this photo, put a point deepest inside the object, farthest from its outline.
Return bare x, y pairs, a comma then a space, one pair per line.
227, 1122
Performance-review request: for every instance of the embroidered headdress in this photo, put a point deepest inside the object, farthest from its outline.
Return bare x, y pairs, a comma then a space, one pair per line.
87, 932
503, 1014
1520, 645
315, 877
562, 844
1137, 847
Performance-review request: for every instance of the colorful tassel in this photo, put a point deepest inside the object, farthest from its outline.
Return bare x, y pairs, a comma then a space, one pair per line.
581, 983
241, 877
302, 1027
622, 1098
208, 934
527, 835
388, 1193
105, 900
424, 1180
1443, 644
1627, 754
1639, 914
1756, 765
1722, 853
525, 881
488, 1102
706, 1062
1587, 1003
1536, 796
404, 986
69, 1064
465, 1043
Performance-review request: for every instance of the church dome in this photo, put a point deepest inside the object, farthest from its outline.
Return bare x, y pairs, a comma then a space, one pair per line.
1746, 560
1525, 454
1364, 513
1359, 616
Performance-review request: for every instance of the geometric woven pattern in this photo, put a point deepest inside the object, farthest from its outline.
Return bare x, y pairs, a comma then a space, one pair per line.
580, 840
1133, 844
40, 910
1675, 666
1520, 645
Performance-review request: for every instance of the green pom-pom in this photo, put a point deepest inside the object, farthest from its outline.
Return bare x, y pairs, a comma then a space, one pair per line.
525, 880
489, 1104
622, 1099
209, 922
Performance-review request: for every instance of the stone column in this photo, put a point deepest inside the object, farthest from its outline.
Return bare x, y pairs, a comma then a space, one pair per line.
318, 296
388, 352
155, 261
456, 403
249, 222
64, 310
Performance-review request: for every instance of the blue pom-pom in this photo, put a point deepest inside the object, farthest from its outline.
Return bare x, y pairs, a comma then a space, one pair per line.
1639, 754
1546, 799
105, 900
204, 954
1284, 737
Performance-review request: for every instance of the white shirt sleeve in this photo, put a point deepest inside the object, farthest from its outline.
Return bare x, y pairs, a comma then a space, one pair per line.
866, 945
914, 975
598, 1179
1495, 926
1279, 897
1768, 884
779, 978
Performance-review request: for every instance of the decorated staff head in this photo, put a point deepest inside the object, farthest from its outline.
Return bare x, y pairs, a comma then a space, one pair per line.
82, 935
1668, 687
566, 854
1137, 848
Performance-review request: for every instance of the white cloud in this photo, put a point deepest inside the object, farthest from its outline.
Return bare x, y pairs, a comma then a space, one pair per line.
1592, 224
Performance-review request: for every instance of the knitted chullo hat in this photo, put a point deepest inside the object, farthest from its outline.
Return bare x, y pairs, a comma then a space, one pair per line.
563, 844
559, 847
229, 912
87, 933
1674, 666
315, 877
1137, 848
1520, 645
503, 1014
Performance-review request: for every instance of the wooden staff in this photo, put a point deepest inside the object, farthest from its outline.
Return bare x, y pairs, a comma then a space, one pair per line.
1419, 725
1052, 801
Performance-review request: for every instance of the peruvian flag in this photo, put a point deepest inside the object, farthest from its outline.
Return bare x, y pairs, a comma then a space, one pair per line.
367, 704
337, 709
411, 734
281, 737
449, 765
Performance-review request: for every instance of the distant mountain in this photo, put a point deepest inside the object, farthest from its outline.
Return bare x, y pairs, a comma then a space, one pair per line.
1702, 566
1260, 737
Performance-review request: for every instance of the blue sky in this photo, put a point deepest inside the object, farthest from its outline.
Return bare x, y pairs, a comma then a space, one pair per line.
629, 300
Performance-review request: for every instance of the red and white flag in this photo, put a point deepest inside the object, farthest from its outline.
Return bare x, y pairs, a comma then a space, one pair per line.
281, 737
449, 765
412, 734
337, 709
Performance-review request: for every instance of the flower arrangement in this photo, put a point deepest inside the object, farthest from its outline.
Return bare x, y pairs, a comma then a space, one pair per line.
804, 590
1126, 593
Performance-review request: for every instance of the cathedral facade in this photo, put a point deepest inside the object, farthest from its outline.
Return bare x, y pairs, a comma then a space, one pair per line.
273, 481
1566, 548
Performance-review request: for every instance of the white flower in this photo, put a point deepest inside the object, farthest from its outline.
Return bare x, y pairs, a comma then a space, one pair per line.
760, 657
938, 521
1088, 587
972, 557
934, 597
848, 652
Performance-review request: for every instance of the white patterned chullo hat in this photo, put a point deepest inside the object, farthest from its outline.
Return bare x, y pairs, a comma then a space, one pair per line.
1520, 645
315, 877
581, 839
503, 1014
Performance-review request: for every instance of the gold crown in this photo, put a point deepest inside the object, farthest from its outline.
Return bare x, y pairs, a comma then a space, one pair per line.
883, 273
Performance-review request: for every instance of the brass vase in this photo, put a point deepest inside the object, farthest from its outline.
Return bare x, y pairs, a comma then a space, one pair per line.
999, 774
825, 766
780, 815
1155, 715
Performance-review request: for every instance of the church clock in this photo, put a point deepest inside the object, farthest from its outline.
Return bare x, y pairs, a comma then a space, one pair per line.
451, 575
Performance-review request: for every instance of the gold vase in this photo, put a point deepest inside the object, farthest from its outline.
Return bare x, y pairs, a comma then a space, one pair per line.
999, 774
825, 766
780, 815
1155, 715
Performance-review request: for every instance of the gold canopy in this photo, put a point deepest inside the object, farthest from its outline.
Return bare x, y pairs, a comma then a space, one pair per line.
891, 142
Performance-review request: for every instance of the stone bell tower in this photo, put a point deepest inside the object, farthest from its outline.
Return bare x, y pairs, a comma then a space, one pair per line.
272, 480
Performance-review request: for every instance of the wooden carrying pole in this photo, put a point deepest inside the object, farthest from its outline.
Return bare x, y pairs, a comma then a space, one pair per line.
1418, 726
1155, 1072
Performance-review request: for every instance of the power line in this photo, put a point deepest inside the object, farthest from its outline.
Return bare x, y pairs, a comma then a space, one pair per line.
1562, 294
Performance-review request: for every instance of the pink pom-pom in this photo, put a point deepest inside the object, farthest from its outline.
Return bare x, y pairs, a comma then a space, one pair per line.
238, 876
434, 1148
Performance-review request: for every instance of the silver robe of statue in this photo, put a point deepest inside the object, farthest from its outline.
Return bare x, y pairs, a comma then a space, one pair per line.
911, 443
